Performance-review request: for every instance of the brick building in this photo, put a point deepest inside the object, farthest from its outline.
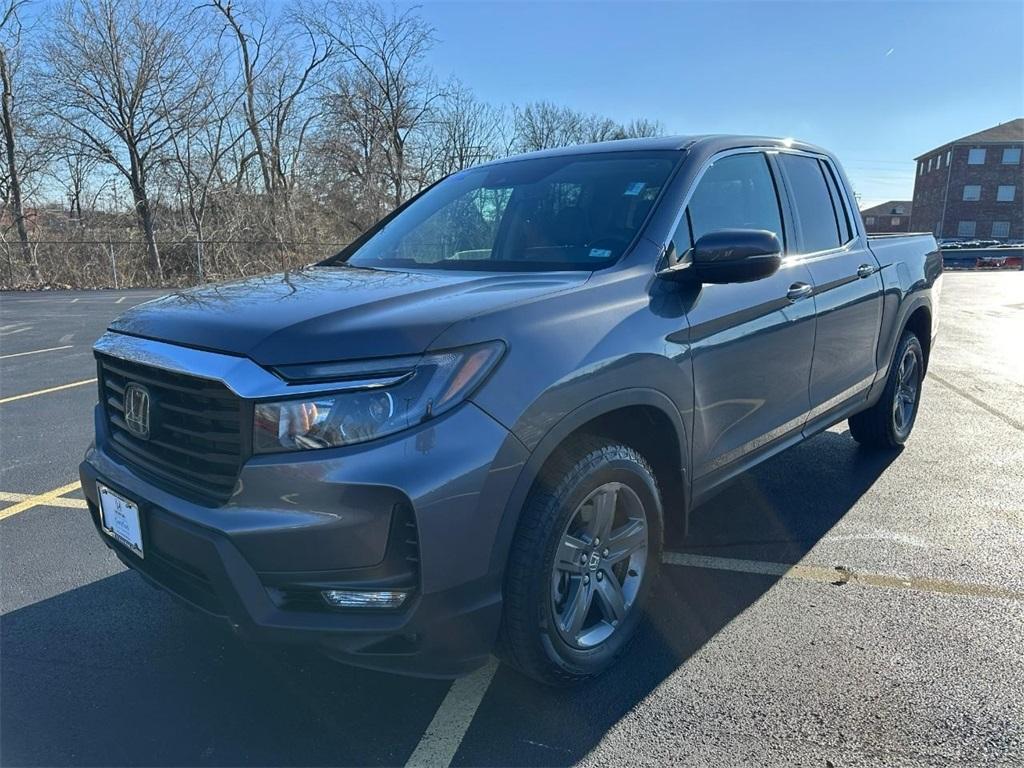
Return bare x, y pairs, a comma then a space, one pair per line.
973, 187
890, 216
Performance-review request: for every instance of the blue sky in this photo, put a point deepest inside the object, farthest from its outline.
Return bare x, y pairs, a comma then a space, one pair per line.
878, 83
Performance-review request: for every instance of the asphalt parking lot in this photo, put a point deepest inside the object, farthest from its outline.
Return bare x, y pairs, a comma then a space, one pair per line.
832, 607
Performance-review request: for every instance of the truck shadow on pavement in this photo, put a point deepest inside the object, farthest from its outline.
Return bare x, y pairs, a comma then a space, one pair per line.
115, 673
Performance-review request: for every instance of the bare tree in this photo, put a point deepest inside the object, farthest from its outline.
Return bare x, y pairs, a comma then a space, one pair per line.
545, 125
349, 154
384, 51
642, 128
281, 65
235, 132
10, 34
74, 168
200, 148
123, 77
466, 131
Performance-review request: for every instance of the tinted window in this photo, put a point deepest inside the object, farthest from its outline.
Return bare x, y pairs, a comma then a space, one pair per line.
815, 216
845, 232
736, 192
568, 212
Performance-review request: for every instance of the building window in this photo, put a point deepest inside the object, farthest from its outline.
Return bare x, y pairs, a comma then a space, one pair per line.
976, 157
895, 221
972, 192
920, 168
1006, 192
965, 228
1000, 229
1011, 156
949, 157
869, 221
929, 165
899, 209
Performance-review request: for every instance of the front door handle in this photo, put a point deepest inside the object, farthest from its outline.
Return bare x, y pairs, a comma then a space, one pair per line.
798, 291
865, 270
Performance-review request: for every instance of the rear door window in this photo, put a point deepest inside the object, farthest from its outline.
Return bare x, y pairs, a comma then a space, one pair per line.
816, 217
736, 192
842, 216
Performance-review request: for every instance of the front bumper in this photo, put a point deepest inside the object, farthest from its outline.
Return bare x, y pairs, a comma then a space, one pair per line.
417, 511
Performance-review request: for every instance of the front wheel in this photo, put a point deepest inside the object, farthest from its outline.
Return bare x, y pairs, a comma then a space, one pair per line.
888, 423
585, 556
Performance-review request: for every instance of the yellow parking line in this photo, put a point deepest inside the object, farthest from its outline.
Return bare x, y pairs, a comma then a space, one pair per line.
40, 499
838, 575
61, 502
35, 352
45, 391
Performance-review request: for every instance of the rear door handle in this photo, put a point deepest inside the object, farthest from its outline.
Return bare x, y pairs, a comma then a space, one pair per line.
798, 291
865, 270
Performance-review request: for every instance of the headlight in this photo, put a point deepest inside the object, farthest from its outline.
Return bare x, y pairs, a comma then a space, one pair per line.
415, 391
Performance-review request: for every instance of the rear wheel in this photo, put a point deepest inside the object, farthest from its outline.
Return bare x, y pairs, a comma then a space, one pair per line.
888, 423
582, 564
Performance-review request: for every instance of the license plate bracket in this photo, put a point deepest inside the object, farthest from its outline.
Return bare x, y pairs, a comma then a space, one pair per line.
120, 519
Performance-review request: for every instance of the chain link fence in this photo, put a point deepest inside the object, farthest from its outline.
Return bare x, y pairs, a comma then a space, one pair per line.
125, 263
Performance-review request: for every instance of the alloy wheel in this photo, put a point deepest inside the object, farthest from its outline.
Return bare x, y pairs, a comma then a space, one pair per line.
599, 565
908, 385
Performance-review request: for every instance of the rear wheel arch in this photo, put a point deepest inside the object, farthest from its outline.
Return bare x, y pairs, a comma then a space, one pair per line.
920, 322
916, 317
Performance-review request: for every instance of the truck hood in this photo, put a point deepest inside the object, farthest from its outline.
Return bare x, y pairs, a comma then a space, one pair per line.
324, 314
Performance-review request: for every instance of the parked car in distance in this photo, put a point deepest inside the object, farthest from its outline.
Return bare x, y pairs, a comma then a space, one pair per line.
467, 431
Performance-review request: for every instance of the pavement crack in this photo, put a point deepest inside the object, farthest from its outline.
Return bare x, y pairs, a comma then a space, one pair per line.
844, 576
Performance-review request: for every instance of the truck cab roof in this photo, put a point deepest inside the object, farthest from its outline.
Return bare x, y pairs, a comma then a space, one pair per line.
708, 144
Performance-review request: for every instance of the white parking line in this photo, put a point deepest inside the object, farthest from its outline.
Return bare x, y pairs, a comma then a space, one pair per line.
16, 330
35, 352
120, 300
12, 398
443, 736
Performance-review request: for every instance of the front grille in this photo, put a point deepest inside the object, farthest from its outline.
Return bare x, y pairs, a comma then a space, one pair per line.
195, 445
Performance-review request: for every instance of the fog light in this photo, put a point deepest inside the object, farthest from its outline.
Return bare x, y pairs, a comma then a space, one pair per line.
350, 598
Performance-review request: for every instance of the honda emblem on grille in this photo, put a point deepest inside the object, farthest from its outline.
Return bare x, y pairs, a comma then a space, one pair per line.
136, 410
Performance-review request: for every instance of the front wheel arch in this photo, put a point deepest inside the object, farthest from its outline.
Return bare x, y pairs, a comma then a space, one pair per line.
594, 417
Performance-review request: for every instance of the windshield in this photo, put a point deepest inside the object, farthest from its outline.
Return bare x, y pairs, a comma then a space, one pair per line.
560, 213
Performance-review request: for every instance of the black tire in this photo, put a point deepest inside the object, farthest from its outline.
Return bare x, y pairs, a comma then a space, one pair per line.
887, 424
533, 635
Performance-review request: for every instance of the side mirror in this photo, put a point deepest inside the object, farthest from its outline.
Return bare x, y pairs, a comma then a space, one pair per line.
730, 256
736, 255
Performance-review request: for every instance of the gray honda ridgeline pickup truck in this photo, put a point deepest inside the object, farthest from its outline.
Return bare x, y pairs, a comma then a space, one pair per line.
467, 430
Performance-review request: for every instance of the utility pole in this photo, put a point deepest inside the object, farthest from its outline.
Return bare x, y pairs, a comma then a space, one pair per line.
113, 261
